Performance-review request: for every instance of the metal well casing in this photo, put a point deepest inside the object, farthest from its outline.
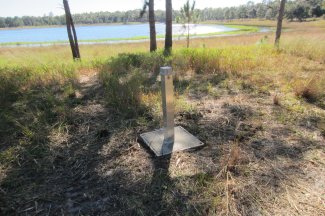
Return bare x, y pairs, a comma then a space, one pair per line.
169, 139
167, 93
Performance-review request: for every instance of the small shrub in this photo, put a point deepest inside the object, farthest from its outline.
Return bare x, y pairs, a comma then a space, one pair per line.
125, 62
126, 78
124, 92
151, 62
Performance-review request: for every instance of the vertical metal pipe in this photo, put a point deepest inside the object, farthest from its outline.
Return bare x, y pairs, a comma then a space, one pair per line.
168, 106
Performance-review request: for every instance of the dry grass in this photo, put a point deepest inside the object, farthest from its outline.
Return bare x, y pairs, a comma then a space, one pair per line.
72, 150
310, 89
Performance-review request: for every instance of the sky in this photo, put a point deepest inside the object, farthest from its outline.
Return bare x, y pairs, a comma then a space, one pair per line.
42, 7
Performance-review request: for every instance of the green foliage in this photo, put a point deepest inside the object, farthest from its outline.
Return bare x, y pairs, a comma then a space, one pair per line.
124, 92
188, 13
11, 81
188, 16
32, 100
126, 78
130, 80
301, 10
149, 63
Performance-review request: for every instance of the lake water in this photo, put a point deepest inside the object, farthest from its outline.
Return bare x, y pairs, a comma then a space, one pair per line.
122, 32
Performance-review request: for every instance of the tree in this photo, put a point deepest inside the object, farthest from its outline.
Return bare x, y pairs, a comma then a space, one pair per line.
188, 16
279, 24
252, 13
289, 12
316, 11
268, 14
71, 31
169, 28
261, 10
2, 22
300, 12
242, 12
152, 23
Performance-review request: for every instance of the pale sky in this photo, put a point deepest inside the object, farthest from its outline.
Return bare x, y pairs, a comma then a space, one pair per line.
41, 7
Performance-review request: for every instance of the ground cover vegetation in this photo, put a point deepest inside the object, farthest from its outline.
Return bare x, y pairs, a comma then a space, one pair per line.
69, 130
267, 9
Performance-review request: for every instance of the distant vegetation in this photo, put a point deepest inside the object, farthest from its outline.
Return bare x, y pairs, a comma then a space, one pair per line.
295, 10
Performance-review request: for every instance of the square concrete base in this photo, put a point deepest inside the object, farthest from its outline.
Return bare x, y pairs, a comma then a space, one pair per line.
183, 140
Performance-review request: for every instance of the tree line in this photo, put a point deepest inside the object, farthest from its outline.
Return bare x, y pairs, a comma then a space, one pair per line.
268, 9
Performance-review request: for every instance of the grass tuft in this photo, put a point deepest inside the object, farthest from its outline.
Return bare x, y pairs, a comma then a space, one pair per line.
310, 90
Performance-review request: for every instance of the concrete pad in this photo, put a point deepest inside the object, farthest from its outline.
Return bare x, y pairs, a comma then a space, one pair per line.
183, 140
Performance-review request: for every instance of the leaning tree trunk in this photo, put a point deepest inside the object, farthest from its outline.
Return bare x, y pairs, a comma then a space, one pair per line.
75, 38
188, 34
152, 25
72, 35
279, 24
169, 27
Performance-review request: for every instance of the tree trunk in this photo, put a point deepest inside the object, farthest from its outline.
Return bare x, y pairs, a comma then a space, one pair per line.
279, 24
71, 31
188, 34
153, 42
169, 27
75, 38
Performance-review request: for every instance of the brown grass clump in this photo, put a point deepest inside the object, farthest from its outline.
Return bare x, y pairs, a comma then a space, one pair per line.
276, 100
309, 90
238, 157
234, 157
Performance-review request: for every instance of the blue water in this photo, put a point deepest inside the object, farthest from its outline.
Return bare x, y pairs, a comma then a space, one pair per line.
99, 32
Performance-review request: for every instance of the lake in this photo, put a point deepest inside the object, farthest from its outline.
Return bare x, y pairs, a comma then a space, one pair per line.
109, 32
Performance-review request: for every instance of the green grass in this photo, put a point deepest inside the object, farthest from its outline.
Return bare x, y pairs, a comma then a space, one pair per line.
247, 68
32, 101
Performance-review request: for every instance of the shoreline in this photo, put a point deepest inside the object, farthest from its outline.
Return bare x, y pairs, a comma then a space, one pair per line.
76, 25
239, 30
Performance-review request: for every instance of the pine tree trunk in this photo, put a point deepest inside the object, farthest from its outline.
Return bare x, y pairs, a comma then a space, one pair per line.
76, 45
188, 34
153, 42
71, 31
279, 24
169, 27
